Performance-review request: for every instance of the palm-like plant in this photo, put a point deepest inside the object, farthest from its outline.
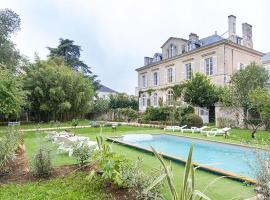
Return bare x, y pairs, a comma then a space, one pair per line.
187, 191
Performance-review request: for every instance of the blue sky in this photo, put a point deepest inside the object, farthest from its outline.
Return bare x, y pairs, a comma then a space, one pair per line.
115, 35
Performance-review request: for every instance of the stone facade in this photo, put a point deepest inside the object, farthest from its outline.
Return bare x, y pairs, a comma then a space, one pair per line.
214, 56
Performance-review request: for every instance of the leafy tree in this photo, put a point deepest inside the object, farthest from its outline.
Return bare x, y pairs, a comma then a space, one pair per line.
121, 100
101, 105
237, 94
71, 54
57, 92
260, 101
11, 94
9, 24
199, 91
242, 82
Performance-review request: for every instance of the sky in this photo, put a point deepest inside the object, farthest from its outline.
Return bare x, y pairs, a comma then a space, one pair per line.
115, 35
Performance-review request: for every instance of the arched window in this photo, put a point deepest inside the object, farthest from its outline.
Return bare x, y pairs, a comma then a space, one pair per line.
170, 97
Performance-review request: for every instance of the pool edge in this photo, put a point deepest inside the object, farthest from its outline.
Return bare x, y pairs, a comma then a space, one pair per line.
213, 170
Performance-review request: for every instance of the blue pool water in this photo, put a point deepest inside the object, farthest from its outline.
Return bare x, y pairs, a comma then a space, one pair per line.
230, 158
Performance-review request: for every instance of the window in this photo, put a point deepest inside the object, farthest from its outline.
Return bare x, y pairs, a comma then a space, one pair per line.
155, 78
170, 75
144, 100
241, 66
143, 81
188, 71
172, 51
155, 99
208, 66
169, 98
191, 46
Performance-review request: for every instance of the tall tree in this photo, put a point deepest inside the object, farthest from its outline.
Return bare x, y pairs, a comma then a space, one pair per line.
199, 91
57, 92
71, 54
9, 24
11, 94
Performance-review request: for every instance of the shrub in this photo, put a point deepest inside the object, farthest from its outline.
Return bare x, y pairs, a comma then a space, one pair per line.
74, 122
8, 146
187, 190
82, 151
192, 120
125, 173
227, 122
41, 164
136, 180
261, 170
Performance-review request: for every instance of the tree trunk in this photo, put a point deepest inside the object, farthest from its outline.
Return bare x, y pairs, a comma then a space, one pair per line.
253, 134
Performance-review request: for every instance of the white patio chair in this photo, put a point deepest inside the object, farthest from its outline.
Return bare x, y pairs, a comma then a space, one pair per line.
194, 129
174, 128
217, 131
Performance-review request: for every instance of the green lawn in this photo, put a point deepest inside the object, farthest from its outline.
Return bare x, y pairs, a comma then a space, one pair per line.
46, 125
73, 187
223, 189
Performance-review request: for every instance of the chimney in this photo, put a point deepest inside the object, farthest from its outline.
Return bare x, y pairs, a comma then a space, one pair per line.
247, 35
232, 28
193, 37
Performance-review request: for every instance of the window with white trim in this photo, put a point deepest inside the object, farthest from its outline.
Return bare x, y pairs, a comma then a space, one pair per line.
144, 100
169, 75
188, 71
209, 67
169, 97
155, 78
172, 51
143, 81
155, 99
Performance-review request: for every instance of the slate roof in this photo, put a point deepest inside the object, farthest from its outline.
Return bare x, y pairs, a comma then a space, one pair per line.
266, 57
210, 39
103, 88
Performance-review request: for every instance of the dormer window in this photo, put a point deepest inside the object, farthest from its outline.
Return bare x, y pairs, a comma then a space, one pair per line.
172, 51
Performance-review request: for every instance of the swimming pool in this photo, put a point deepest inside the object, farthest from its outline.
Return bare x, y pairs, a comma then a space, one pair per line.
231, 159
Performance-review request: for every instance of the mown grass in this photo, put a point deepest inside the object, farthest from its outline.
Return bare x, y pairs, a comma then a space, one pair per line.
46, 125
73, 187
223, 189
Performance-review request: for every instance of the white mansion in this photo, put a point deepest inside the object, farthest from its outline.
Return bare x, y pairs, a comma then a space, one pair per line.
215, 56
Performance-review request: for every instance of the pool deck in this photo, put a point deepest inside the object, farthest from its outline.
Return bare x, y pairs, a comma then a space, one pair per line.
221, 172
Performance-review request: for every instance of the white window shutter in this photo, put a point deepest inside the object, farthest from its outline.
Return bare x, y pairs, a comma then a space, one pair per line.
173, 74
140, 103
202, 67
158, 78
185, 72
164, 99
165, 76
146, 80
151, 79
215, 70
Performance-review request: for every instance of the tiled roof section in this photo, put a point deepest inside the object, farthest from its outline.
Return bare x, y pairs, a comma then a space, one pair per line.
266, 57
211, 39
105, 89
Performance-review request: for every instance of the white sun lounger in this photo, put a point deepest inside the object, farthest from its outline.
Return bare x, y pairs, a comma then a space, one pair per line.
194, 129
218, 131
174, 128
